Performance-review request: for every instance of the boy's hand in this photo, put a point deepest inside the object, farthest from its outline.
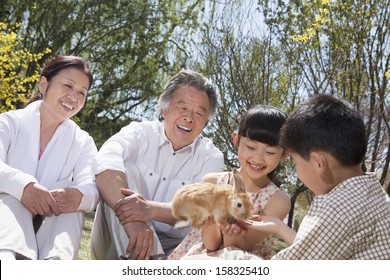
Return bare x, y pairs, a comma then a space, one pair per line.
267, 224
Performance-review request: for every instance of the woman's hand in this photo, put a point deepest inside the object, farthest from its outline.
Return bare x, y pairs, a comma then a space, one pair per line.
68, 199
39, 201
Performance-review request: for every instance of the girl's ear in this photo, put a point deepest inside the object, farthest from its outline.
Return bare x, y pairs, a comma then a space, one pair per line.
235, 139
285, 153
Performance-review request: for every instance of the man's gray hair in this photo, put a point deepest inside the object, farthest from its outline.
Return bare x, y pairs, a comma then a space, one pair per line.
188, 78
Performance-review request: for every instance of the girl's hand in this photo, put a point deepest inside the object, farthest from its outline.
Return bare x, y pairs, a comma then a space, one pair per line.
68, 199
233, 229
209, 221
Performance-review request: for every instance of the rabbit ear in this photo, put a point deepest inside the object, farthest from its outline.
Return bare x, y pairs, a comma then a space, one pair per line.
238, 183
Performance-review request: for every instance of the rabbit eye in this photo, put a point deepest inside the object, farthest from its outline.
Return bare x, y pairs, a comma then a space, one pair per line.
239, 205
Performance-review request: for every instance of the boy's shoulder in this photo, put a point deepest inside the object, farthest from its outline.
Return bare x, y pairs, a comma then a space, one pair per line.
354, 194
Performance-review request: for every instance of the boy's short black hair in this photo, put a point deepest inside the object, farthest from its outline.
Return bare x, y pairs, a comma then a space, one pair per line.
326, 123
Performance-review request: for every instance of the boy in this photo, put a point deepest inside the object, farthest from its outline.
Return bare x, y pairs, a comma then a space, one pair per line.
350, 214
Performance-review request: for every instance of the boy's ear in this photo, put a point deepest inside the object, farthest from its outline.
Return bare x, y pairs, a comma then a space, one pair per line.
321, 166
318, 160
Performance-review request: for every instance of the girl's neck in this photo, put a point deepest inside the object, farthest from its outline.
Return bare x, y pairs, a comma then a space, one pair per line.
254, 185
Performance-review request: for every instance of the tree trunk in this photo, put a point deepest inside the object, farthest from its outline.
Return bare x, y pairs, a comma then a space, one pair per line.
293, 199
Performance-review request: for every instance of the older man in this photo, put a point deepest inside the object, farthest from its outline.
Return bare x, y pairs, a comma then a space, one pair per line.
139, 169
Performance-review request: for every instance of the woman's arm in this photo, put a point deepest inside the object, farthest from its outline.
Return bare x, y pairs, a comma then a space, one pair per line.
81, 193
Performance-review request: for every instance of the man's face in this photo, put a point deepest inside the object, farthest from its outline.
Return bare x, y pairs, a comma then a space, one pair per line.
186, 116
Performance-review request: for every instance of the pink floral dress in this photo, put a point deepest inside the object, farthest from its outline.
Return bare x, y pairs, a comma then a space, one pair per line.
192, 244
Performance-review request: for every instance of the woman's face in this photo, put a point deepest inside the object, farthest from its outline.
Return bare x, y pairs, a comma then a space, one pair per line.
65, 94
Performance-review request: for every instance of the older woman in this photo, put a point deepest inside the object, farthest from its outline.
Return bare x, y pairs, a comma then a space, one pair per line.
46, 184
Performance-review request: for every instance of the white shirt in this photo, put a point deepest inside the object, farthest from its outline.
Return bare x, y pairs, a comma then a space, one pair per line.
66, 161
163, 170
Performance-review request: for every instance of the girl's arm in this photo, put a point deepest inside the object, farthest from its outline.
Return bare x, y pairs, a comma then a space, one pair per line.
211, 235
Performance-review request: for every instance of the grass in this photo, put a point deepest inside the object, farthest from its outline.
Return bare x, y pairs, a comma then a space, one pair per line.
84, 253
279, 245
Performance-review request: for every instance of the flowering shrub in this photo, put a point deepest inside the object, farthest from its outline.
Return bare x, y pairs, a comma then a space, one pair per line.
15, 86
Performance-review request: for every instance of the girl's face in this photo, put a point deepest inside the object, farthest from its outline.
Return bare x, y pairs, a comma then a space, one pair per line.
65, 94
257, 159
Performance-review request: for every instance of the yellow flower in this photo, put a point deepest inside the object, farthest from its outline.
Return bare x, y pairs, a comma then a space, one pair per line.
15, 86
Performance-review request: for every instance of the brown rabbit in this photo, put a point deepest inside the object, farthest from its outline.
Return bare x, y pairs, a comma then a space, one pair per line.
193, 203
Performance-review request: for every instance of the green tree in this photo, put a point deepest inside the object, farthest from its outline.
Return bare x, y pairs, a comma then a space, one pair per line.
130, 43
341, 48
245, 67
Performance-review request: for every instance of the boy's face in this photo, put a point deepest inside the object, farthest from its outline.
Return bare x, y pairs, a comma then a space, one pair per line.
306, 171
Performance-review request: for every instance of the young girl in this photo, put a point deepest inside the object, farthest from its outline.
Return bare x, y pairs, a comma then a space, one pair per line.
259, 155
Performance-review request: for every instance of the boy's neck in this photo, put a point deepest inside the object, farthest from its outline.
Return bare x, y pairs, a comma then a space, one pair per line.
339, 174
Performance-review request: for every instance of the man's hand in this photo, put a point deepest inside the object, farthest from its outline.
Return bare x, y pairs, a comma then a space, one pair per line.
39, 201
133, 207
140, 240
68, 199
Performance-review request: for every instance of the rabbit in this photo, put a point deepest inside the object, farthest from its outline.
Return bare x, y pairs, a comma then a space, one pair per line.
194, 203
